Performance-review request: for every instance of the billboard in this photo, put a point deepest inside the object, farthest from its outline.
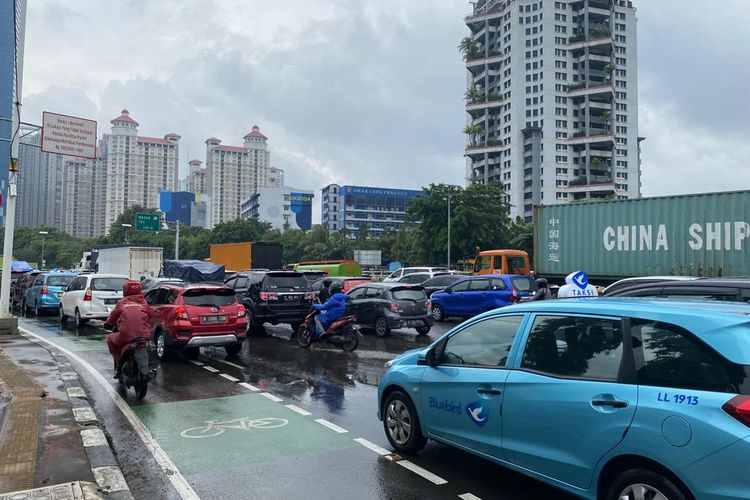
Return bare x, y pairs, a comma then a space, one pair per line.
68, 135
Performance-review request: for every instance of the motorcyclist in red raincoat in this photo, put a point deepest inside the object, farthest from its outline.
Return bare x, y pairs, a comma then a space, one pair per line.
132, 316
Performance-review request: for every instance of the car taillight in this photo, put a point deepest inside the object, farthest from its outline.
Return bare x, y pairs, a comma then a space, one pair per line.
739, 408
394, 307
87, 295
429, 304
310, 296
181, 313
269, 296
45, 290
240, 311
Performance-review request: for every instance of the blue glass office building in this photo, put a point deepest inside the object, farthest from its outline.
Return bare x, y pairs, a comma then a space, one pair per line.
363, 208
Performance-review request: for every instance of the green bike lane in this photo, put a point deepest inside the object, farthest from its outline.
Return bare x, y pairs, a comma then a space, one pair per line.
241, 440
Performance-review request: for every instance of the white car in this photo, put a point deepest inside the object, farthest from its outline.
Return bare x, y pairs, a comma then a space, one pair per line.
399, 273
91, 296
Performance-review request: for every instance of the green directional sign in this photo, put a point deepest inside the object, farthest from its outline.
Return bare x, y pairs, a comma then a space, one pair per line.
147, 222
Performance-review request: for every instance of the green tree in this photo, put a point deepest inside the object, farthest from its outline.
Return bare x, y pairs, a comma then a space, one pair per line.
468, 48
239, 230
478, 219
473, 95
521, 236
474, 131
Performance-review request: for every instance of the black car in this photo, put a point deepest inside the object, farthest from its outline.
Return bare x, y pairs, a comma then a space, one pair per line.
724, 289
440, 282
272, 297
386, 306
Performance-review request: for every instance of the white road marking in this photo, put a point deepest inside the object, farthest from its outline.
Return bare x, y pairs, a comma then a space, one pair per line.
468, 496
211, 369
110, 479
377, 449
229, 377
270, 396
333, 427
422, 472
298, 410
231, 364
93, 437
167, 466
84, 414
76, 392
196, 362
249, 386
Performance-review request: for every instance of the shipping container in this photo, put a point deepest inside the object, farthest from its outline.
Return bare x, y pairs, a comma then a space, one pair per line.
135, 262
690, 235
247, 255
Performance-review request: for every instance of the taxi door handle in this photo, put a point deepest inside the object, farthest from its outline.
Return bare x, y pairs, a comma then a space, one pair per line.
614, 403
489, 392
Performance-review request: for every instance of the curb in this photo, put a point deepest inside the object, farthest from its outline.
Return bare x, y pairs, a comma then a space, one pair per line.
102, 461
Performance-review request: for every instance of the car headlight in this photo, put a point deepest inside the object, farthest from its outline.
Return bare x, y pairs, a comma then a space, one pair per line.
388, 364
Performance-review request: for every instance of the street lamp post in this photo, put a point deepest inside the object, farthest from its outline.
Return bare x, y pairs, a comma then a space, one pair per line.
449, 231
126, 226
44, 235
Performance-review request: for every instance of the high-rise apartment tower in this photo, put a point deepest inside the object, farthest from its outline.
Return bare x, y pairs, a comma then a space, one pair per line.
552, 100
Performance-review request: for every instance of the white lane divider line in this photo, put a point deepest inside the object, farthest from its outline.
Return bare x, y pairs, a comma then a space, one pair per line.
249, 386
231, 364
298, 410
468, 496
168, 468
422, 472
377, 449
196, 362
229, 377
270, 396
211, 369
332, 426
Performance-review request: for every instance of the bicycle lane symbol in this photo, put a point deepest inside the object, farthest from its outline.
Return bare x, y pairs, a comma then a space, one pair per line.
214, 428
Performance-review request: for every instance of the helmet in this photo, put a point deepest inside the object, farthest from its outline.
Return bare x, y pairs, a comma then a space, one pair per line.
335, 288
327, 282
132, 287
541, 282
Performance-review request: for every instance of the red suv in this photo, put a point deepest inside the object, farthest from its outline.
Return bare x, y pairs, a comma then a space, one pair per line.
191, 316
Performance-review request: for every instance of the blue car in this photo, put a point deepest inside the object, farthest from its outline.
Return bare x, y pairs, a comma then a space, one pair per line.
608, 399
45, 291
477, 294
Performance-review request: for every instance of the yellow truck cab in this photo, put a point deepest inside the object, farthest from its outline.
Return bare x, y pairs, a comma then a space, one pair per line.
502, 262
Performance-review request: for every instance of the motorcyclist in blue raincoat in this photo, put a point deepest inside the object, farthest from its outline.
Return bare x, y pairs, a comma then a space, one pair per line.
333, 309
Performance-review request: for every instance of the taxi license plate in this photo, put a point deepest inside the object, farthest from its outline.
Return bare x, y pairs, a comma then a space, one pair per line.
213, 319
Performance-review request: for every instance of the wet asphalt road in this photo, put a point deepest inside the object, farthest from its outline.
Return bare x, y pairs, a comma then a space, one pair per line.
292, 455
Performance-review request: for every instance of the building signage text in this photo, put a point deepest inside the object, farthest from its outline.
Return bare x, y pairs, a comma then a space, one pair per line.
719, 236
68, 135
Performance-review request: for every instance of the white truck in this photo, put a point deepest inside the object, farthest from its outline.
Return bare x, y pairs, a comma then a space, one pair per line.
135, 262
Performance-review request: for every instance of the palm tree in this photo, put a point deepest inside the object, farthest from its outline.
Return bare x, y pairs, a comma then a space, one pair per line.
474, 131
468, 47
607, 119
473, 95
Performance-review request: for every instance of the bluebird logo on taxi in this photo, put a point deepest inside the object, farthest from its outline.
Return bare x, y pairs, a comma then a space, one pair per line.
477, 413
581, 279
445, 405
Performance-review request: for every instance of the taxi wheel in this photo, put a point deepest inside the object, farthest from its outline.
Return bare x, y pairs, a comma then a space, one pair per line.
401, 424
635, 484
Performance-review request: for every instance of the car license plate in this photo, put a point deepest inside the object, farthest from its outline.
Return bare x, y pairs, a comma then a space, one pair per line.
291, 298
414, 323
110, 302
213, 319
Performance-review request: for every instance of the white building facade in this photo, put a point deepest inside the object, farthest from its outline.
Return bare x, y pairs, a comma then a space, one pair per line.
234, 173
282, 207
138, 167
552, 100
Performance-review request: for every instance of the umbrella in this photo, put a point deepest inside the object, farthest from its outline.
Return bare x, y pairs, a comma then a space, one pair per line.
20, 266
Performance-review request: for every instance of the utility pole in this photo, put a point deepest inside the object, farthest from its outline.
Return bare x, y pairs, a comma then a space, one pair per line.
177, 241
10, 213
449, 231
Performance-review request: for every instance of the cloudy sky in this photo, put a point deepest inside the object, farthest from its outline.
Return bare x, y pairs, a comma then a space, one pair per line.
368, 92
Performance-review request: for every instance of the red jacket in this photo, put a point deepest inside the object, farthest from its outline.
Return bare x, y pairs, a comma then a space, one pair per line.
133, 317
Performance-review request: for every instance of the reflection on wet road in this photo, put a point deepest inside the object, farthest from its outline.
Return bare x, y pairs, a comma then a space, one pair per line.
278, 421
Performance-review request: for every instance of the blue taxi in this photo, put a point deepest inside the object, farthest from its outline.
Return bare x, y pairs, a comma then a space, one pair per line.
614, 399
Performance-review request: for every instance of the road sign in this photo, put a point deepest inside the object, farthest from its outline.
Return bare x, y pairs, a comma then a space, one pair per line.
68, 135
147, 222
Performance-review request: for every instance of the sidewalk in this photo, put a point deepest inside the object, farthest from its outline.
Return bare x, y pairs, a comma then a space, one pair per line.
50, 437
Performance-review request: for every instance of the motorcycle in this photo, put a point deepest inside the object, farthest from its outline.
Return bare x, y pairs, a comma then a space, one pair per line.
343, 333
134, 366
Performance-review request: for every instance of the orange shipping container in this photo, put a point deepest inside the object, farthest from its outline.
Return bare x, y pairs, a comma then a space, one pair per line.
234, 256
